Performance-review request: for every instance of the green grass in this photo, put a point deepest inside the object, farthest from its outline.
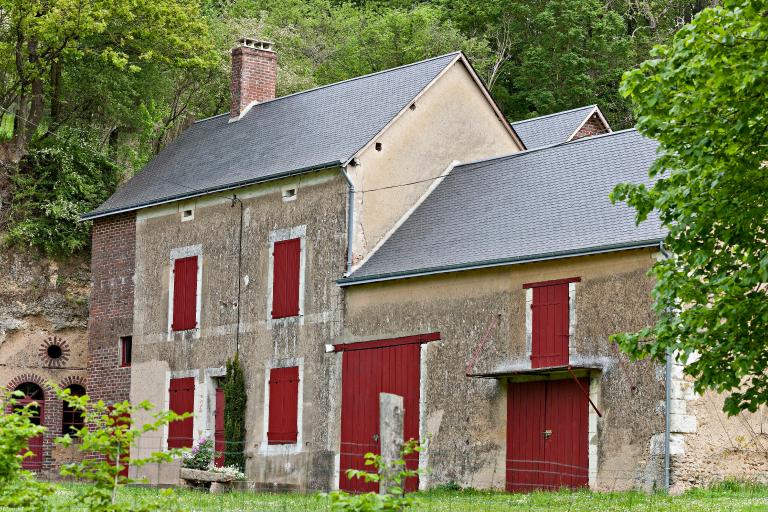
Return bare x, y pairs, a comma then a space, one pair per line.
730, 497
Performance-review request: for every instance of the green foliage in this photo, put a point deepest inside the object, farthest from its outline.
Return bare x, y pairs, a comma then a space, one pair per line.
396, 473
110, 432
18, 488
235, 399
200, 456
59, 180
704, 98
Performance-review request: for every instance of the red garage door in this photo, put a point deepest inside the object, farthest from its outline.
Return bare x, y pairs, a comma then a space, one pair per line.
389, 366
547, 425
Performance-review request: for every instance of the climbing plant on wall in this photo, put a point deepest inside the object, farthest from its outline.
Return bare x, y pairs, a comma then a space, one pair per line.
234, 415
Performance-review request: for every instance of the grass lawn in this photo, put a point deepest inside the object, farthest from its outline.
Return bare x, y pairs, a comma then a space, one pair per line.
730, 498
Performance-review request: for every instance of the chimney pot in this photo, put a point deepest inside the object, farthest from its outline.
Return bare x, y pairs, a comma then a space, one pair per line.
254, 75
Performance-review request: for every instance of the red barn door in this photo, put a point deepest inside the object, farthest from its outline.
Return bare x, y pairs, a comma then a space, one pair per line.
367, 370
547, 428
218, 432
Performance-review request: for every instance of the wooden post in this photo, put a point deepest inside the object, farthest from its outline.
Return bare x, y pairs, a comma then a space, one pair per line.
391, 417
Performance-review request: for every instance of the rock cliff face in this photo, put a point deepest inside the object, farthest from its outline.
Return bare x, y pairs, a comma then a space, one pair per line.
43, 336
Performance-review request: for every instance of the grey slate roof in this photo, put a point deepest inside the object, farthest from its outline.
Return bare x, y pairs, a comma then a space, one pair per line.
318, 128
551, 129
537, 204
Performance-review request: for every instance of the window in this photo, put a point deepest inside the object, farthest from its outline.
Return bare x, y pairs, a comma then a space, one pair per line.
283, 405
71, 419
184, 294
289, 194
550, 322
188, 214
126, 349
285, 281
181, 399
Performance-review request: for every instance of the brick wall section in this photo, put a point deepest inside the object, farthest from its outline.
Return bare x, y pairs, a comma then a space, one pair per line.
254, 77
593, 126
111, 315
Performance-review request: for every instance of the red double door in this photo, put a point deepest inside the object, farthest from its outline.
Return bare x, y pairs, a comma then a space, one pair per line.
547, 435
367, 372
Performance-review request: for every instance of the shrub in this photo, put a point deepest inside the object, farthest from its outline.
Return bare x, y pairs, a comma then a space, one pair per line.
200, 456
394, 498
18, 488
109, 433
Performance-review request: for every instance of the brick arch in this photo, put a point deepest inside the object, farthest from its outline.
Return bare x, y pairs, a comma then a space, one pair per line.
73, 379
48, 393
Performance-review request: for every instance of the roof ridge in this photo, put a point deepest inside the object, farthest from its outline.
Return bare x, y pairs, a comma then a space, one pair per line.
458, 52
541, 148
553, 114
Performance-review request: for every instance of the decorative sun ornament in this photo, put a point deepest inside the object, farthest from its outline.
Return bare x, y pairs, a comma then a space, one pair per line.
54, 352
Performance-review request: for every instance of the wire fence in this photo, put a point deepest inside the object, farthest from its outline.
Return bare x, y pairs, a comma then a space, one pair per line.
292, 481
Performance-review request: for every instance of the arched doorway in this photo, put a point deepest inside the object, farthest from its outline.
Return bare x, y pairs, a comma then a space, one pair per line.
33, 393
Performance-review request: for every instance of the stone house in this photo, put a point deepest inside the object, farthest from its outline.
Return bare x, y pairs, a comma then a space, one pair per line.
389, 233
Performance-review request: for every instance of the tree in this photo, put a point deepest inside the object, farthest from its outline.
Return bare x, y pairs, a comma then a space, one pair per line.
41, 40
704, 97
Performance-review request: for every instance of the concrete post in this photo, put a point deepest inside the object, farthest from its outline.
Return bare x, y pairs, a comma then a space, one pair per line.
391, 416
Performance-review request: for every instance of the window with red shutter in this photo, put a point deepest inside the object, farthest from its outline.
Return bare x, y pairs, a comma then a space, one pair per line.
126, 350
550, 323
181, 394
285, 278
184, 294
283, 405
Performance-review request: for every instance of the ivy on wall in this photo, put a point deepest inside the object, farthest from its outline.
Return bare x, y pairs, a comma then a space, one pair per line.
235, 400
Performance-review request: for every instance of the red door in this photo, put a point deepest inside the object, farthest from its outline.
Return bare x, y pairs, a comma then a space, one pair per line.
181, 400
365, 374
550, 324
33, 393
218, 433
547, 445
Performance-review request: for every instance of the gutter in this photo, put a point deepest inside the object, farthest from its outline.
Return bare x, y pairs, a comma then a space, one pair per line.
348, 281
211, 190
350, 215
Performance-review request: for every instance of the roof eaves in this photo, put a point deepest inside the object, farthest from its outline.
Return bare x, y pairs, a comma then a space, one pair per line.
211, 190
351, 281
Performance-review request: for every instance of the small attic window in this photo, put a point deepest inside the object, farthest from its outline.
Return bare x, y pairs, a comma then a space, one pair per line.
188, 214
378, 146
289, 194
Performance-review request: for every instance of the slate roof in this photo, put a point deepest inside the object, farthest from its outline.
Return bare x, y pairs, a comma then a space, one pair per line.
551, 129
536, 204
314, 129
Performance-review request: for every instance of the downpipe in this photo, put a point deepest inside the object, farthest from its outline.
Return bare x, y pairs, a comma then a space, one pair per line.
667, 401
350, 216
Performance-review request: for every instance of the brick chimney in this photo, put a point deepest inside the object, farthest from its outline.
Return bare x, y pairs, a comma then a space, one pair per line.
254, 75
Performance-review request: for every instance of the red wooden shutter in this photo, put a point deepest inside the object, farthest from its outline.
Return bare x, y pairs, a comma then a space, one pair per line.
283, 405
550, 323
182, 399
285, 281
184, 294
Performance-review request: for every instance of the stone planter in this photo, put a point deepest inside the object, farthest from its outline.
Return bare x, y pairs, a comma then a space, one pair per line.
214, 482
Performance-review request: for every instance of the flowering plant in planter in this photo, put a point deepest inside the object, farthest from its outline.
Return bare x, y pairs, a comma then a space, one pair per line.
200, 456
232, 471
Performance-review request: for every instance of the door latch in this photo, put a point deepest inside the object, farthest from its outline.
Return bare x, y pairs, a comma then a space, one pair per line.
547, 434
